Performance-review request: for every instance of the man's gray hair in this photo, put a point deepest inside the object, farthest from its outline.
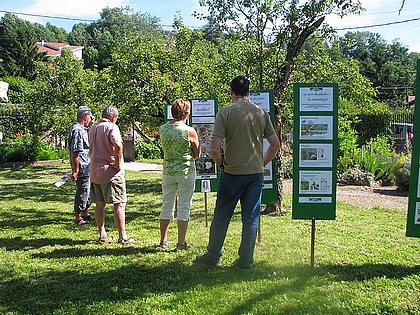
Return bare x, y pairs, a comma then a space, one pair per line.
109, 111
83, 110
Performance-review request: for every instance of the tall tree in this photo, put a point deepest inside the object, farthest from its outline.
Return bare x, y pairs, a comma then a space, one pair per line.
115, 26
60, 34
288, 24
388, 66
152, 72
18, 51
60, 87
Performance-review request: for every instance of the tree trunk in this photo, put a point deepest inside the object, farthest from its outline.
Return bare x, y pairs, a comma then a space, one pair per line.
292, 51
281, 85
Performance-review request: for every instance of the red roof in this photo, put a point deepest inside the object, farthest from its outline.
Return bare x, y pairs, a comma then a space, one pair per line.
54, 49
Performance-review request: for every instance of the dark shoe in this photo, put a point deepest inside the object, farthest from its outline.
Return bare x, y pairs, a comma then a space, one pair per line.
164, 244
88, 217
106, 239
241, 265
184, 246
205, 259
129, 240
80, 222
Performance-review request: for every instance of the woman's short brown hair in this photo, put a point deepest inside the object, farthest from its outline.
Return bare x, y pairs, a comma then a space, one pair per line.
180, 108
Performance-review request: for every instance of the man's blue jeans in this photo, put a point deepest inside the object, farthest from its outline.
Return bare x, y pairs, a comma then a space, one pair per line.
82, 197
233, 188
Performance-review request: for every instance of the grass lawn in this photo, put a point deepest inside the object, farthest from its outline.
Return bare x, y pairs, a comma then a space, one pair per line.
364, 264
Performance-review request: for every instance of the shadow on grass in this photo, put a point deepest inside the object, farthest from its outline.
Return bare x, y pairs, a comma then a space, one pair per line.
17, 243
371, 271
18, 218
145, 186
113, 249
32, 172
134, 282
37, 192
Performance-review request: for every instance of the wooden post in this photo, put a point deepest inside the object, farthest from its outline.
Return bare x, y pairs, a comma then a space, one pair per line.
313, 243
205, 207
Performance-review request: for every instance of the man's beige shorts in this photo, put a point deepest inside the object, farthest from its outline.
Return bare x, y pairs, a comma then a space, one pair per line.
112, 192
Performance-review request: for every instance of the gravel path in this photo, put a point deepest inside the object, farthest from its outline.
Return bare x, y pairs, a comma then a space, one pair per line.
387, 196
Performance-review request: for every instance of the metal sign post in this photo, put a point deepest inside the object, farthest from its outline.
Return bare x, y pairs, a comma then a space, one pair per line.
313, 243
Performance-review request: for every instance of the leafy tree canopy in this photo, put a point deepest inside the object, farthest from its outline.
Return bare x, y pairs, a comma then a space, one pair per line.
18, 51
114, 27
388, 66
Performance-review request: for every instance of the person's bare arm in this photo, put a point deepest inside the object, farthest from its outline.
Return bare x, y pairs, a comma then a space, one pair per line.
215, 151
118, 155
75, 164
196, 148
274, 146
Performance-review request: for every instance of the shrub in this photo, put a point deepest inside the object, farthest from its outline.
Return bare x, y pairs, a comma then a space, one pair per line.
377, 157
47, 152
356, 176
12, 120
348, 150
402, 172
148, 150
288, 166
21, 148
63, 153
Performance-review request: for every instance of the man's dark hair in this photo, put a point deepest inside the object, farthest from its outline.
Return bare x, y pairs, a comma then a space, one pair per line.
240, 85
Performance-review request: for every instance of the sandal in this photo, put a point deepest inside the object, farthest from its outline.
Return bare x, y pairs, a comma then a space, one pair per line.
164, 244
106, 239
88, 217
184, 246
80, 222
129, 240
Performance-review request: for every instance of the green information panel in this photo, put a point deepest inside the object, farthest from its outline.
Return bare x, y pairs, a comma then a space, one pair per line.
315, 138
413, 216
265, 100
203, 114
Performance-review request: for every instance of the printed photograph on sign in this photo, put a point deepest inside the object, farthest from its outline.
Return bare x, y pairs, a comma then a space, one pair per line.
268, 169
316, 99
418, 185
205, 185
268, 172
204, 131
315, 182
315, 155
206, 168
203, 108
205, 148
316, 127
417, 214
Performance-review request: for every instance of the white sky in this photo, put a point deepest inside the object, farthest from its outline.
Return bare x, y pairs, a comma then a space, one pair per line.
382, 12
377, 12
